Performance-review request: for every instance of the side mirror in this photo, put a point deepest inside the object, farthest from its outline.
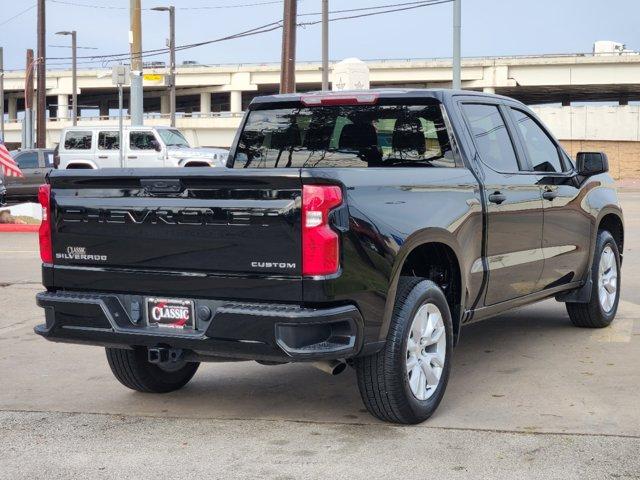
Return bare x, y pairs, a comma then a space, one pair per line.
156, 145
591, 163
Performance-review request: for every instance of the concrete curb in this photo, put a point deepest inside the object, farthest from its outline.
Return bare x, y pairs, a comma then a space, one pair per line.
16, 228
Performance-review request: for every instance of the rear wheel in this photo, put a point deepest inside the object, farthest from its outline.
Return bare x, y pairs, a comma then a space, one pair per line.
602, 306
406, 380
133, 369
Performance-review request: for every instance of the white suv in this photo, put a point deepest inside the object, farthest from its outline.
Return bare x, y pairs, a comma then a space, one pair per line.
99, 147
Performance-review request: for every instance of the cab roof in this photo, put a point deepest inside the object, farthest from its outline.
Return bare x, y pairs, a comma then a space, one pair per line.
439, 94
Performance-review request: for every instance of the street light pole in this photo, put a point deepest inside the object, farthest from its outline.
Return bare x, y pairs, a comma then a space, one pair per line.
325, 45
457, 22
172, 59
74, 75
74, 79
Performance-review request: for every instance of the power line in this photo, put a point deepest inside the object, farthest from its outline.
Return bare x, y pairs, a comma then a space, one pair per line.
206, 7
18, 14
378, 7
391, 8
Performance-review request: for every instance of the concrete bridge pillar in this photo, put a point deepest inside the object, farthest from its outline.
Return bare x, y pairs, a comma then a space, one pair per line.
165, 106
236, 101
63, 106
205, 102
12, 108
104, 108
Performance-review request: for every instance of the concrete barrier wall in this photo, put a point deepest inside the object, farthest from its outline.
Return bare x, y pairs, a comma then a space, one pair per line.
614, 130
617, 122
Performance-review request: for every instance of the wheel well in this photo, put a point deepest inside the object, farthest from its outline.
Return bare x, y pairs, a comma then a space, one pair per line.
612, 224
196, 164
438, 263
77, 166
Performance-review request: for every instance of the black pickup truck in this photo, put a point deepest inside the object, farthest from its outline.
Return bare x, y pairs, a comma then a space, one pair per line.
355, 228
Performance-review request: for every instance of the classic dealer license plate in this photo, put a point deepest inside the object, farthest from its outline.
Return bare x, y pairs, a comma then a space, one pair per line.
170, 313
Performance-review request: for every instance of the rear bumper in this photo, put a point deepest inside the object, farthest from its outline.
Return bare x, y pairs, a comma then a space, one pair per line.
232, 330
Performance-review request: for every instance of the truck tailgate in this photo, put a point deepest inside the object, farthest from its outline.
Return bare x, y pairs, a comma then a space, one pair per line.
178, 222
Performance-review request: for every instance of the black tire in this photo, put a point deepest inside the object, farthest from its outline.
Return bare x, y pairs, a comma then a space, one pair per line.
382, 377
592, 314
133, 370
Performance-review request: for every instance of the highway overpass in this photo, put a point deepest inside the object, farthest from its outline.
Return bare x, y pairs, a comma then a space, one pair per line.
211, 98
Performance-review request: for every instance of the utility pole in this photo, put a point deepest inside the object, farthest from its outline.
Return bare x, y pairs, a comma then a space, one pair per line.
1, 94
74, 76
457, 22
288, 62
171, 81
325, 45
27, 126
135, 40
74, 79
41, 116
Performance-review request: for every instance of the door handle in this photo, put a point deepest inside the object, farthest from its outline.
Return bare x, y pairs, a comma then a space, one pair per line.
131, 156
103, 156
549, 194
497, 197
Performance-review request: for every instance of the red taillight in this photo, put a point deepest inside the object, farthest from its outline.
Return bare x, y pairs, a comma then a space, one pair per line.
320, 244
46, 250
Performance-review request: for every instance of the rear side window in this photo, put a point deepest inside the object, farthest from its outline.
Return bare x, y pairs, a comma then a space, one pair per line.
142, 141
27, 160
491, 137
542, 151
345, 136
108, 140
77, 141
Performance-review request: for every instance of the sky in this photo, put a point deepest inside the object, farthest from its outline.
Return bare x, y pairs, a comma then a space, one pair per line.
489, 28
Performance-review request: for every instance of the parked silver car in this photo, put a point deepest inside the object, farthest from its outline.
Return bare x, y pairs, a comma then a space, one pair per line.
34, 163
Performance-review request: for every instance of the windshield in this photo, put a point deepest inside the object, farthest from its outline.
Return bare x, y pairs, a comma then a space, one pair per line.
345, 136
173, 138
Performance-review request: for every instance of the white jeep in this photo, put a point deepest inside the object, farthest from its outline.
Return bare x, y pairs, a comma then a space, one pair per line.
148, 147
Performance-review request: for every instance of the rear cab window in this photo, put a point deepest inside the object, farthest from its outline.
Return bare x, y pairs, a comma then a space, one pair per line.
27, 160
343, 136
78, 140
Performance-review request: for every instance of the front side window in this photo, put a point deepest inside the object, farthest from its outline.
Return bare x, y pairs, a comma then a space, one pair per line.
542, 151
345, 136
142, 141
109, 141
173, 138
77, 141
27, 160
491, 137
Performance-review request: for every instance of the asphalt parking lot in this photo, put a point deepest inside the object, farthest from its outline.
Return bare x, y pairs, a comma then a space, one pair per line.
530, 397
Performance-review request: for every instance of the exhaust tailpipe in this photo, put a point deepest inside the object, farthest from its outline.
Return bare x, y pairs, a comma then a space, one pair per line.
332, 367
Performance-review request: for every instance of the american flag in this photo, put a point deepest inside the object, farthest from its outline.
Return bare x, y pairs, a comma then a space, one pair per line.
8, 164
